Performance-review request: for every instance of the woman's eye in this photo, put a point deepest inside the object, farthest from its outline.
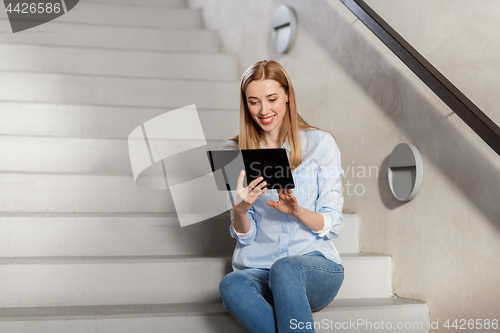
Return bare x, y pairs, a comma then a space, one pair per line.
272, 100
252, 103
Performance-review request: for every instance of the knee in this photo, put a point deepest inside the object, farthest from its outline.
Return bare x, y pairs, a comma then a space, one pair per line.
285, 268
286, 265
230, 284
225, 284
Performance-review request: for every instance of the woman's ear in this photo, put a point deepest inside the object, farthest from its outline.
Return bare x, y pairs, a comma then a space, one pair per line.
286, 99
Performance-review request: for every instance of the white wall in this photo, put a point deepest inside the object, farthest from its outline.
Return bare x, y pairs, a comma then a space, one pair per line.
458, 37
445, 243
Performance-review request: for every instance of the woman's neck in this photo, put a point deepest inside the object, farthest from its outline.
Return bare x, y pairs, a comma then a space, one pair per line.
270, 140
270, 145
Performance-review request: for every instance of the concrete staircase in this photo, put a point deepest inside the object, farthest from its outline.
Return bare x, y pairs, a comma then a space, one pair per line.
82, 248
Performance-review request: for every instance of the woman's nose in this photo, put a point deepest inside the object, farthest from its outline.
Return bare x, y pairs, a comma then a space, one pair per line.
266, 109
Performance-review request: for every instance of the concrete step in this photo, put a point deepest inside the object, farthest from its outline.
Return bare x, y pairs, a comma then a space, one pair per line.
49, 193
102, 62
64, 155
70, 155
166, 17
97, 121
64, 34
66, 281
208, 318
140, 3
97, 90
75, 281
56, 235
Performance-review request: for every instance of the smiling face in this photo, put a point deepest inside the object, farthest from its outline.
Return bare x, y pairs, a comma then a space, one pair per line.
266, 100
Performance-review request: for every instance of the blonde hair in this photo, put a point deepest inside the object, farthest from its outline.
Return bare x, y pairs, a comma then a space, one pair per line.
250, 133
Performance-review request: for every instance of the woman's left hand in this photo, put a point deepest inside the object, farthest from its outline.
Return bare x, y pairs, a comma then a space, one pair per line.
287, 203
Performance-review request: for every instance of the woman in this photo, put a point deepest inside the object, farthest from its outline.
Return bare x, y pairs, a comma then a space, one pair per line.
285, 264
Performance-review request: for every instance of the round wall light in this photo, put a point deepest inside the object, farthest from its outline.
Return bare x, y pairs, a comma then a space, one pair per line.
284, 28
405, 171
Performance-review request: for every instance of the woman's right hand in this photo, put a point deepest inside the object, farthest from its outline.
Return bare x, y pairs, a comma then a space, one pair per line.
246, 196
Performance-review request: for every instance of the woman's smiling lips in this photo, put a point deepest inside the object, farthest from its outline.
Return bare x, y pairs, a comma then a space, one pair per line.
268, 120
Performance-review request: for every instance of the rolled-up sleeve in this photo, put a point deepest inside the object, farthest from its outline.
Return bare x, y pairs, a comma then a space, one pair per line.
330, 199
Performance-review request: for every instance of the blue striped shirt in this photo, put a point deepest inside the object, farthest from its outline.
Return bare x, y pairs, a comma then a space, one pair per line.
273, 234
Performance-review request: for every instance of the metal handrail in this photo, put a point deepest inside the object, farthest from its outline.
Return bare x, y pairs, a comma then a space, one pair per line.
476, 119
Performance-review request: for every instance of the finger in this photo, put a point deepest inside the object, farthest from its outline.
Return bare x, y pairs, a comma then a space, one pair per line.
256, 181
259, 187
284, 191
240, 178
252, 197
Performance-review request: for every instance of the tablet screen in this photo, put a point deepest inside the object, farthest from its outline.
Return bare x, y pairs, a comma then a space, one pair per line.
271, 163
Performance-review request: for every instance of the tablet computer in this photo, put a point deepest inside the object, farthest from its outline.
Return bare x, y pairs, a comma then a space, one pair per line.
270, 163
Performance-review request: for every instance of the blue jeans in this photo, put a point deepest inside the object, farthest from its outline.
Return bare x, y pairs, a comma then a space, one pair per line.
279, 299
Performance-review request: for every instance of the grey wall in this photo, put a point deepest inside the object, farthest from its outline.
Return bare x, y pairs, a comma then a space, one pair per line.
445, 243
